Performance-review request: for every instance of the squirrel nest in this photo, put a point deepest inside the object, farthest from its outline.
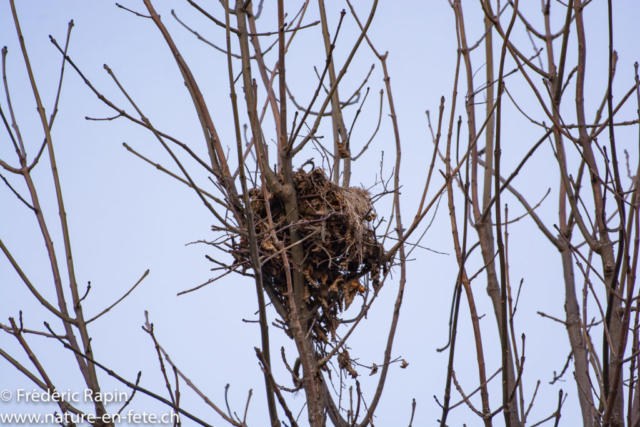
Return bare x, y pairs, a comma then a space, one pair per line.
339, 244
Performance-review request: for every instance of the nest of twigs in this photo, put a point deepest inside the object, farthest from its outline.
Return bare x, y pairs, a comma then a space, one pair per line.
342, 254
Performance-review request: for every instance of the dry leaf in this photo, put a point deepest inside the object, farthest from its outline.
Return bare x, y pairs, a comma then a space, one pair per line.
344, 361
374, 370
268, 246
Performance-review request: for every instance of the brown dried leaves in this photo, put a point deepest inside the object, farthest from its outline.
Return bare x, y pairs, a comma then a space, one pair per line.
339, 244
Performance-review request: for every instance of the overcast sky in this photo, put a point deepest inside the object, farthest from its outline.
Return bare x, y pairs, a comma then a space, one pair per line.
126, 217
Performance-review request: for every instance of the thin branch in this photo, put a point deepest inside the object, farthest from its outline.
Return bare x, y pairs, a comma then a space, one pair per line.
106, 310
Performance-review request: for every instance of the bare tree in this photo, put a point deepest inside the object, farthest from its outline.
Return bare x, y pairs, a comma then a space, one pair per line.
310, 244
314, 244
599, 377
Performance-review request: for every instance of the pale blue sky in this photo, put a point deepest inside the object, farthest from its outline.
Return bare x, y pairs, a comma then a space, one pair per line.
126, 217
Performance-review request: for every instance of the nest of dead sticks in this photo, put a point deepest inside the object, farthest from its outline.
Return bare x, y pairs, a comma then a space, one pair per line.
342, 254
